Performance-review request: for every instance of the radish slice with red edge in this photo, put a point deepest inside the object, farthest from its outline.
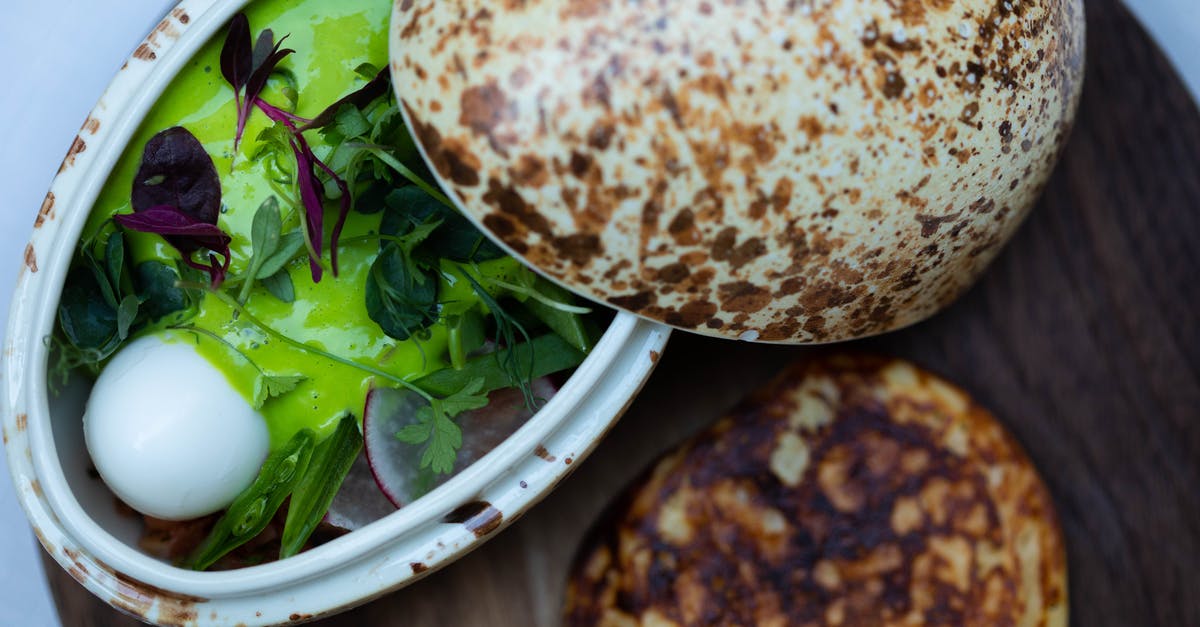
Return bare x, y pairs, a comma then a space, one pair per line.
394, 463
359, 502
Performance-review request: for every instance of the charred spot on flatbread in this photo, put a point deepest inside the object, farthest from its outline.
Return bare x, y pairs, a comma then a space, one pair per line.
849, 491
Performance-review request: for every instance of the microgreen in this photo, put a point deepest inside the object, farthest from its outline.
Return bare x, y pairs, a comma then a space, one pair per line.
177, 194
247, 67
455, 237
280, 286
314, 209
159, 294
271, 251
507, 329
187, 234
354, 101
265, 233
177, 171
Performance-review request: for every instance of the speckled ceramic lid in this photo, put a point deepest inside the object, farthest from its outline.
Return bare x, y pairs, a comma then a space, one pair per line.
788, 171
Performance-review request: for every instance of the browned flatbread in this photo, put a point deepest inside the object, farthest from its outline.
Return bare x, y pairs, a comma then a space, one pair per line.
849, 491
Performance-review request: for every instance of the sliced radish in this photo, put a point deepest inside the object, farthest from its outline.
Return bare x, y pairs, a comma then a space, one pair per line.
394, 464
359, 501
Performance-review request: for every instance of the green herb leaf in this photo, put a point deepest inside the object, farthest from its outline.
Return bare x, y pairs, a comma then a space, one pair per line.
280, 286
444, 441
567, 324
435, 428
264, 241
401, 295
126, 314
455, 238
471, 396
350, 121
314, 493
289, 244
268, 386
265, 229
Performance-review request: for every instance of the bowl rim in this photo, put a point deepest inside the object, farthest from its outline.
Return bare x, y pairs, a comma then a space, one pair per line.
510, 478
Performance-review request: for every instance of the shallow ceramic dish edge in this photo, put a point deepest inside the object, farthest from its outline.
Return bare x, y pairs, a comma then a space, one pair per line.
383, 556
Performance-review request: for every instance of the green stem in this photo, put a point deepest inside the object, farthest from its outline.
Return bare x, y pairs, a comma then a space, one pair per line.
538, 296
214, 336
262, 326
381, 153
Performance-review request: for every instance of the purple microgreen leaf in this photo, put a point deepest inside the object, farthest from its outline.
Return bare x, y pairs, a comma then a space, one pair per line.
186, 233
343, 211
306, 160
306, 178
262, 48
236, 66
255, 84
314, 210
360, 98
235, 53
258, 77
177, 171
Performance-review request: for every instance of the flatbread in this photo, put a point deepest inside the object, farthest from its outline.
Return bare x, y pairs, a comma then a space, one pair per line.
849, 491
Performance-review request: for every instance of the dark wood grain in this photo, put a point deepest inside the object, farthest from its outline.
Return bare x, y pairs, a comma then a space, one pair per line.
1083, 337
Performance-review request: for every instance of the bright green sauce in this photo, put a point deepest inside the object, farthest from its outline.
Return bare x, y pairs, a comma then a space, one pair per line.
331, 39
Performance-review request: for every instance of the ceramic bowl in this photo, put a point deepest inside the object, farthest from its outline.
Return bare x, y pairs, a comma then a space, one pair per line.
73, 514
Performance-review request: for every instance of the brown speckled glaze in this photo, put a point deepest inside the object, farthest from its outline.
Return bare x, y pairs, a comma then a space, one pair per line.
777, 170
853, 491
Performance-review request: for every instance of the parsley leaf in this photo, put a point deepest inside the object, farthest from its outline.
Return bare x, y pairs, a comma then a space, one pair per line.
435, 427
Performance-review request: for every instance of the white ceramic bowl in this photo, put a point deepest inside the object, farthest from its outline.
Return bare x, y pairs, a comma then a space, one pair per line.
74, 515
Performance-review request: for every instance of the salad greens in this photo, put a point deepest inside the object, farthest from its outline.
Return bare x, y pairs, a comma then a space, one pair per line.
432, 281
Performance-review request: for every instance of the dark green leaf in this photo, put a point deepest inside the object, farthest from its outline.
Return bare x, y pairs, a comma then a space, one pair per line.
86, 319
114, 260
548, 354
156, 287
280, 286
455, 238
401, 296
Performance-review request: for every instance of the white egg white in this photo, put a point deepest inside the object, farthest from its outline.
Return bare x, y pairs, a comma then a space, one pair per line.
168, 432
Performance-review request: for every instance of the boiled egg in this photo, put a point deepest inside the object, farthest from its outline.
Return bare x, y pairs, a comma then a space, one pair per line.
168, 432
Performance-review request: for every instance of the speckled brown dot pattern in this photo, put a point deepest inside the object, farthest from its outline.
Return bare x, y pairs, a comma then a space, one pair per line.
774, 170
850, 491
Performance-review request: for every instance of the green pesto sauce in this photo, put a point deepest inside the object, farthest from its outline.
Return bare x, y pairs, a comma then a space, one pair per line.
331, 38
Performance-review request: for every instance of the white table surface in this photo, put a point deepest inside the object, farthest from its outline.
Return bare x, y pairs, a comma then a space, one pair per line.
65, 53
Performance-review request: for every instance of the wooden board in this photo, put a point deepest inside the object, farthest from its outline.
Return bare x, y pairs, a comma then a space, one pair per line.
1083, 337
